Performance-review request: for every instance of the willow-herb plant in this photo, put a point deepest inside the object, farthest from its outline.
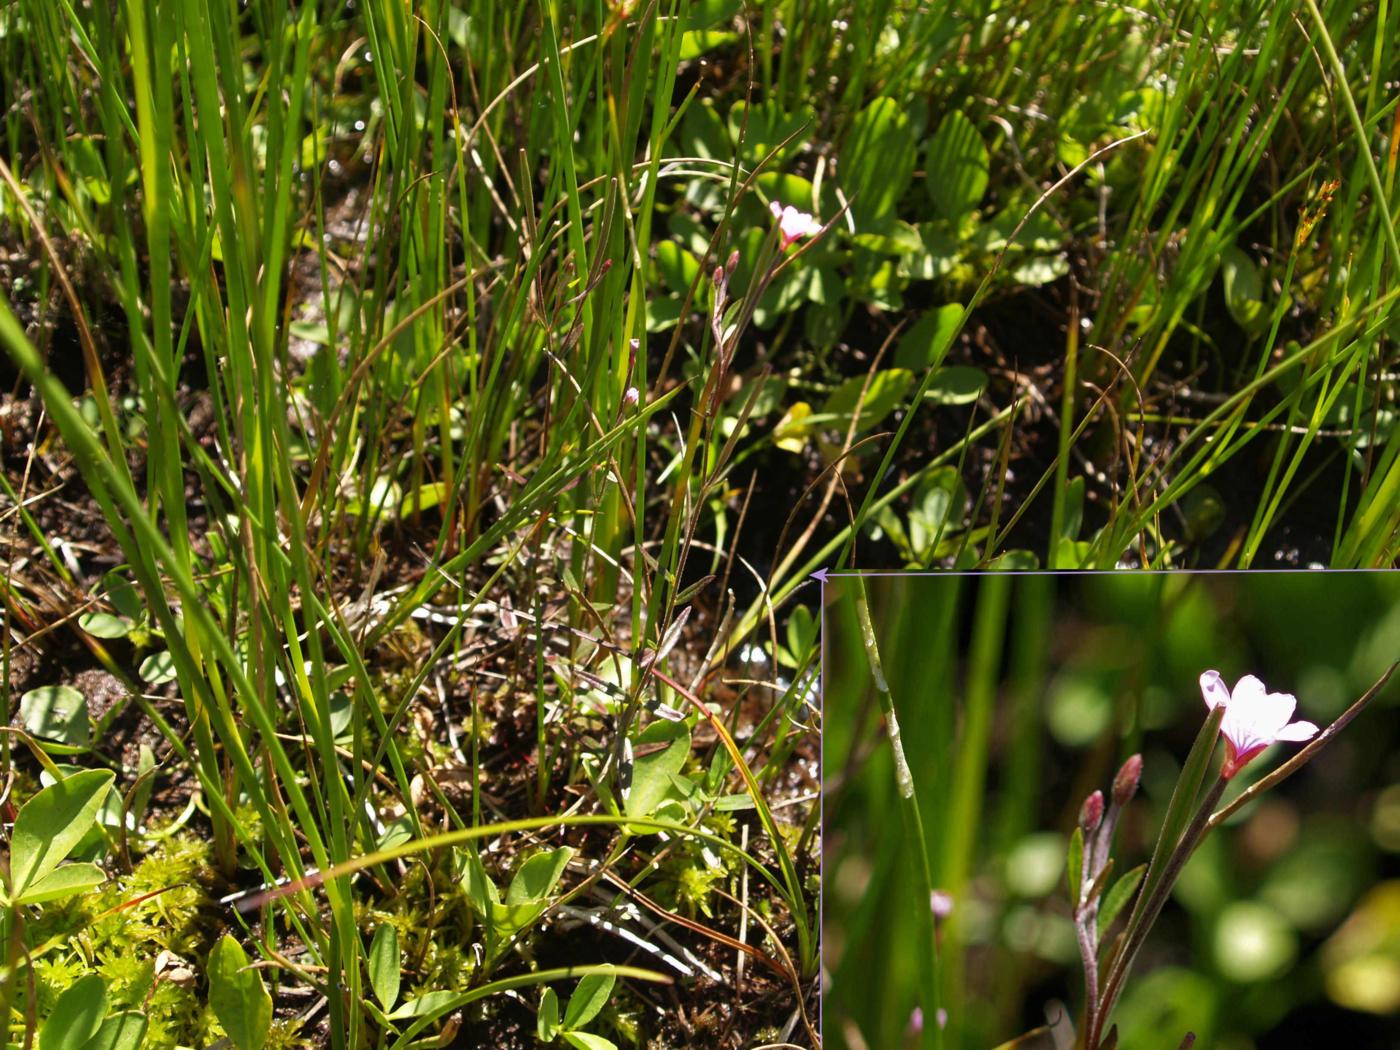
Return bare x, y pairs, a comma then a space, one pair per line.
1250, 719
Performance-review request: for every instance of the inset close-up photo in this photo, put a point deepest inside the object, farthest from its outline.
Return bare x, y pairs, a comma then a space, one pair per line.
1079, 812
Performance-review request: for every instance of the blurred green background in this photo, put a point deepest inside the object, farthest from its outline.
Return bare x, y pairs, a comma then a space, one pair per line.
1020, 694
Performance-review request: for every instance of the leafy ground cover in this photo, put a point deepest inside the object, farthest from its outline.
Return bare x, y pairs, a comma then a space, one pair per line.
417, 422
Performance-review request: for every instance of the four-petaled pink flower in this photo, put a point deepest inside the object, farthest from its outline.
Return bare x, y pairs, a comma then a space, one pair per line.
1254, 718
792, 223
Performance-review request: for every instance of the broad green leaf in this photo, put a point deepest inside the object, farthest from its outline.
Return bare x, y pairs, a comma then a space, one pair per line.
547, 1019
538, 876
1075, 863
651, 773
663, 312
237, 996
123, 1031
588, 1041
427, 1005
1244, 290
957, 165
786, 189
588, 999
927, 341
766, 127
877, 160
792, 430
1038, 232
52, 823
529, 892
57, 712
157, 668
104, 625
477, 885
1040, 270
706, 14
76, 1016
677, 267
886, 389
697, 42
1014, 561
384, 965
956, 385
63, 881
122, 595
702, 134
802, 630
424, 497
1118, 896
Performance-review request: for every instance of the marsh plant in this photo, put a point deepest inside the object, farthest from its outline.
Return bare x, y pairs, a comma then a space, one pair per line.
1249, 719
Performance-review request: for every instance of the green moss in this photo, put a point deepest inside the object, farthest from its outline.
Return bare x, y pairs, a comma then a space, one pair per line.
119, 931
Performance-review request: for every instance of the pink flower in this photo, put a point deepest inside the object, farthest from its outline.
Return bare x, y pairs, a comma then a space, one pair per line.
1254, 718
792, 223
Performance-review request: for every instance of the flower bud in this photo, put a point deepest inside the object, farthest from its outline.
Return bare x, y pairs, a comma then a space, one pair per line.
941, 901
1125, 784
733, 263
718, 275
631, 397
1091, 812
916, 1022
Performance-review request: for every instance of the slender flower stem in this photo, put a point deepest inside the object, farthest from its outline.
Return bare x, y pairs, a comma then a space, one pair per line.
1089, 954
909, 806
1175, 861
1086, 914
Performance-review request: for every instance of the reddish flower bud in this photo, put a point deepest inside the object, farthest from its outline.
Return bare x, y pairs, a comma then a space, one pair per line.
1091, 812
733, 263
1125, 784
718, 276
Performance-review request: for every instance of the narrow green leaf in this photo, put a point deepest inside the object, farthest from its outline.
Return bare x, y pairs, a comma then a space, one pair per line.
76, 1016
547, 1020
1178, 814
1118, 896
427, 1005
1075, 865
237, 996
588, 1041
477, 885
63, 881
51, 823
384, 965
